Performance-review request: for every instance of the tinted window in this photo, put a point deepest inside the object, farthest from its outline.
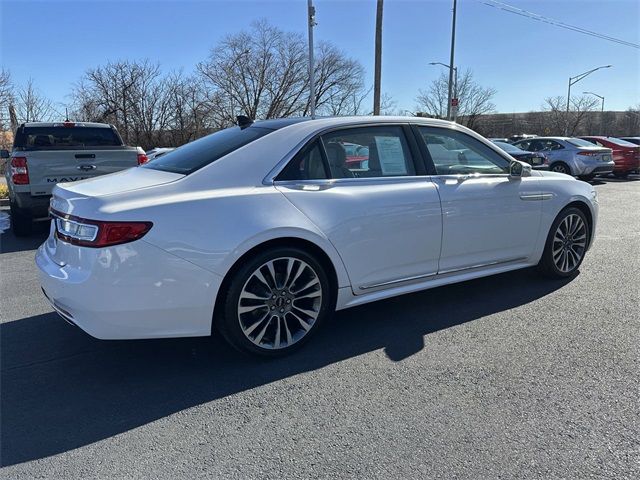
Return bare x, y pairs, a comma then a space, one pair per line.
455, 153
307, 165
368, 152
197, 154
622, 143
578, 142
507, 147
47, 138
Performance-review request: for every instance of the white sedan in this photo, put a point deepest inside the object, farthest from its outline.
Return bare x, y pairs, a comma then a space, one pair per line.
261, 231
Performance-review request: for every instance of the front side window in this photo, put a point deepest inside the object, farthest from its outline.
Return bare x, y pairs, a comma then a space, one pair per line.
456, 153
368, 152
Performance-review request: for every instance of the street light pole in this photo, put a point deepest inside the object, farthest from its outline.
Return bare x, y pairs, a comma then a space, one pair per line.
451, 60
573, 81
455, 87
312, 23
596, 95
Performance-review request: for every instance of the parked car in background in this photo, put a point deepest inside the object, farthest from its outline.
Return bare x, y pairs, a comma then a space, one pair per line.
158, 152
45, 154
572, 156
259, 232
521, 136
537, 160
634, 140
626, 155
503, 140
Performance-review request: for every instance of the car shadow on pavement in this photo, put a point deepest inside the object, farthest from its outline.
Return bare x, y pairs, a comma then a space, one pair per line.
62, 389
9, 243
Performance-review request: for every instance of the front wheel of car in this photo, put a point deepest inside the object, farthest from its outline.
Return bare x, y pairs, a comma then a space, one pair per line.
275, 302
567, 243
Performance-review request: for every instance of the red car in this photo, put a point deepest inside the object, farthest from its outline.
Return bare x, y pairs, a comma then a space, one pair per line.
626, 155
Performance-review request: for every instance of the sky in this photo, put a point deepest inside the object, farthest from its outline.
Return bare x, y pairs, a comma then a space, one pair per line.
54, 42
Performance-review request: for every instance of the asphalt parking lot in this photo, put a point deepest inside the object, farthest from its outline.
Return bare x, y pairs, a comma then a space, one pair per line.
512, 376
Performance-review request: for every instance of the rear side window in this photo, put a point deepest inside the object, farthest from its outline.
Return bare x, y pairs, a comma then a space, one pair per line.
307, 165
195, 155
48, 138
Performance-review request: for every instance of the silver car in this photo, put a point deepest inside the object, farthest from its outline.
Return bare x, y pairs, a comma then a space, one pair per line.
572, 156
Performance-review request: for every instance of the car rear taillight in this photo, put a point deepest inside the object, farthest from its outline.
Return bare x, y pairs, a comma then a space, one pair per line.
97, 233
19, 171
589, 154
142, 158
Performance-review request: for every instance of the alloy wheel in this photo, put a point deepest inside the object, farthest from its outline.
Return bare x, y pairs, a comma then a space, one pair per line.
569, 243
280, 303
560, 169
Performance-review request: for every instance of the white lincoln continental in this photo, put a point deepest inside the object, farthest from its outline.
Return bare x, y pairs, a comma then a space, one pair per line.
261, 231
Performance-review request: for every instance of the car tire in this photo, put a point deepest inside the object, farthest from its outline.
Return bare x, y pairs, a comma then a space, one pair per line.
621, 174
280, 314
566, 244
560, 167
21, 223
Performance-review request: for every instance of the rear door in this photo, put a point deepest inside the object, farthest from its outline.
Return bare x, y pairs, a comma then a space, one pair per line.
383, 216
57, 154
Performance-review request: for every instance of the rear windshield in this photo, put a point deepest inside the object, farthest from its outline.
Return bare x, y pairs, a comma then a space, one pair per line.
622, 143
578, 142
197, 154
47, 138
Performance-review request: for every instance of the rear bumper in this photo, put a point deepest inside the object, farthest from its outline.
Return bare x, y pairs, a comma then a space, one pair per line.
130, 291
626, 165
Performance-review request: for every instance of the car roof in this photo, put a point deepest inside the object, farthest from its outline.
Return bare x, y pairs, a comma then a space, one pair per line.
548, 138
59, 124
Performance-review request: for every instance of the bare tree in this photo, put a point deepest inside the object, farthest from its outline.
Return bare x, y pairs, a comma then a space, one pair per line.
6, 97
474, 99
262, 73
557, 118
31, 105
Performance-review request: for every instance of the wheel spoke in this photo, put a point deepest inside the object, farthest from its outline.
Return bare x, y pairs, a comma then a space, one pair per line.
287, 277
258, 274
311, 313
304, 324
315, 294
309, 284
272, 271
252, 296
287, 331
277, 341
249, 308
264, 330
297, 275
249, 331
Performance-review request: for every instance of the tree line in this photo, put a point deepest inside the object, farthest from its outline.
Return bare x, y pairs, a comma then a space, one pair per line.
261, 73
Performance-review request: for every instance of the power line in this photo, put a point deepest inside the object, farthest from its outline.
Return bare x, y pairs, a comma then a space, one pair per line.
541, 18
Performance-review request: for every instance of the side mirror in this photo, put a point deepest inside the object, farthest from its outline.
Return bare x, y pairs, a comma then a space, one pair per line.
4, 153
519, 169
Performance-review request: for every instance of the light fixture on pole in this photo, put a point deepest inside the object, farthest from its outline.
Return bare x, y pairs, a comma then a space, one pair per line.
573, 81
455, 89
311, 10
596, 95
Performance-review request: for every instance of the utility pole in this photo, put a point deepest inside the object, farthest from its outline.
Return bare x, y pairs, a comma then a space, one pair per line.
378, 60
451, 60
573, 81
312, 90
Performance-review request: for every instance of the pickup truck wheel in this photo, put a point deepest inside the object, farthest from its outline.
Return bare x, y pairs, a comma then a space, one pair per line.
21, 223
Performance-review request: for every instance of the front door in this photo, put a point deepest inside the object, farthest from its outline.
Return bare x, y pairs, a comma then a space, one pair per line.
489, 218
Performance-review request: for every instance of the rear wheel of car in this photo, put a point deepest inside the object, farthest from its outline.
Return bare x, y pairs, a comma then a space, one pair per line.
566, 243
275, 302
21, 222
561, 167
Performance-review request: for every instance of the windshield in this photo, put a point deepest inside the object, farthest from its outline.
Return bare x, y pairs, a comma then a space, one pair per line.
578, 142
507, 147
195, 155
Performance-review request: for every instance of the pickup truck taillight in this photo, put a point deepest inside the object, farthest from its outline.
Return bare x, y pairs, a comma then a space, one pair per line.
19, 171
97, 233
142, 158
